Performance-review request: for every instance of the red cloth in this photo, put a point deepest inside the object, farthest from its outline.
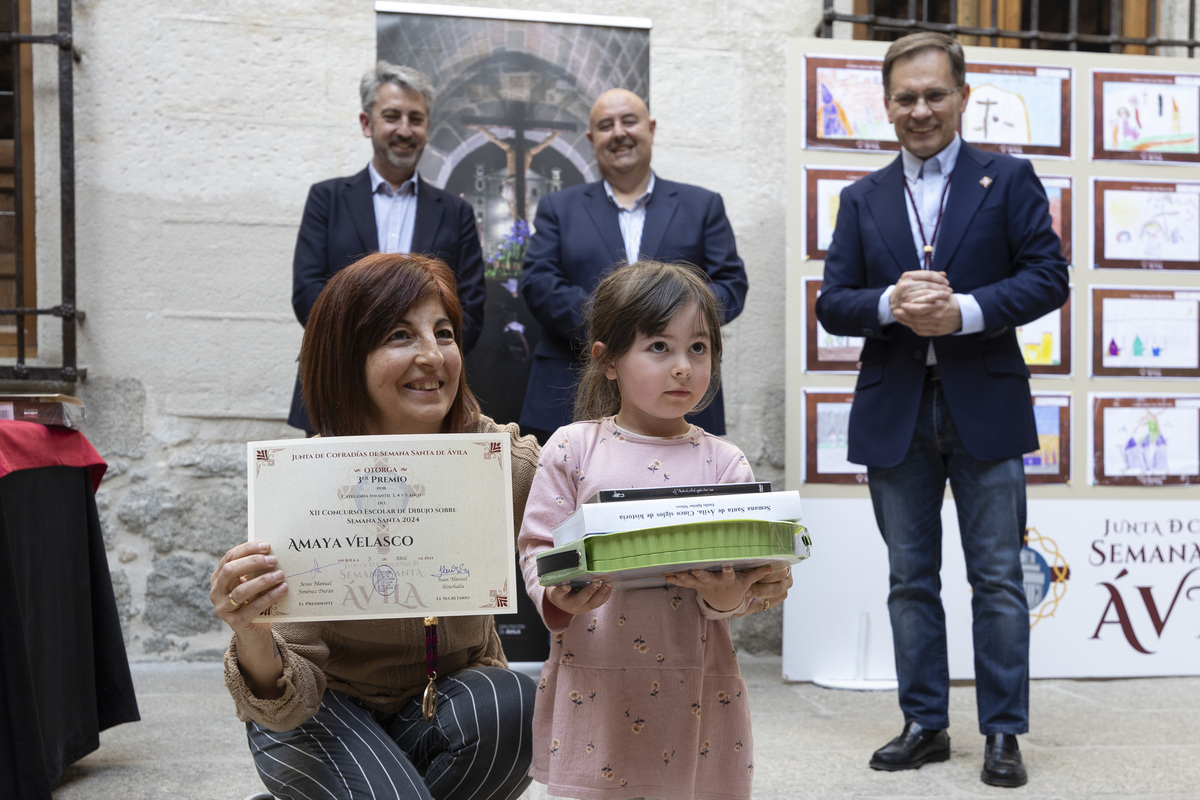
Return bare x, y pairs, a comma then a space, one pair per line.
29, 445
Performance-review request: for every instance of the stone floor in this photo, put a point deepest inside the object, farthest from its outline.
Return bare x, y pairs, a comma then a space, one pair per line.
1136, 739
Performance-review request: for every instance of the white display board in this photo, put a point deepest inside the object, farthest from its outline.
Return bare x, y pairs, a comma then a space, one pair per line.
1113, 587
1128, 212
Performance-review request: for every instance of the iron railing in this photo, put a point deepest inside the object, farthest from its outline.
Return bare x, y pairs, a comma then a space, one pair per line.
1072, 37
63, 39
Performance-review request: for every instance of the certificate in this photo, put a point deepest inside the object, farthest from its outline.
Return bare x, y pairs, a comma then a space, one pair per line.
369, 527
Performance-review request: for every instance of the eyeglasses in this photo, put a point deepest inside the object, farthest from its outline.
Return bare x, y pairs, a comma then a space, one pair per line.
934, 98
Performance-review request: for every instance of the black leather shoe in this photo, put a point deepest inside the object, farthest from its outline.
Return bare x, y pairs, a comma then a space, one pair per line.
912, 748
1002, 764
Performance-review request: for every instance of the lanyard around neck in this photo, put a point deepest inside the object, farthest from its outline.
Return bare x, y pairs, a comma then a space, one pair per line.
927, 263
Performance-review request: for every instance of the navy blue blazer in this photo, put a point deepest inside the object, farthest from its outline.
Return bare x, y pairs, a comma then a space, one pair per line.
996, 244
576, 242
338, 228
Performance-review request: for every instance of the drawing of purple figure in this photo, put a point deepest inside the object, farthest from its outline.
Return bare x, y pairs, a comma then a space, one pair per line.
1133, 458
832, 122
1113, 350
1150, 454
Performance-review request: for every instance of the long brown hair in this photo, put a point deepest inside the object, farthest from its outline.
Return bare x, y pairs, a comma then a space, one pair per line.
358, 307
641, 300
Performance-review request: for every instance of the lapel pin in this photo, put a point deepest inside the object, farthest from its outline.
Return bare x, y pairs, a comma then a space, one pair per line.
985, 181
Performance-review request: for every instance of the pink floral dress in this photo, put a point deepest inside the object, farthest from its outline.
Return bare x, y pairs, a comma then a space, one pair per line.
642, 696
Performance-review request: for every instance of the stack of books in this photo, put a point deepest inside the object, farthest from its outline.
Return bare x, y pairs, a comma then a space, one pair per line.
634, 537
46, 409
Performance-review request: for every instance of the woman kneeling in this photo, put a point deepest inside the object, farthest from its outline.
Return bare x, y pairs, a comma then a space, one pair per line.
333, 709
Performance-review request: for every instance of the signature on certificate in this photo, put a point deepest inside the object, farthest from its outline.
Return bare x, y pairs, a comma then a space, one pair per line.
315, 568
452, 571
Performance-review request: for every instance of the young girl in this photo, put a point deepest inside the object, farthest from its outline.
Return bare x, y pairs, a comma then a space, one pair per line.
641, 694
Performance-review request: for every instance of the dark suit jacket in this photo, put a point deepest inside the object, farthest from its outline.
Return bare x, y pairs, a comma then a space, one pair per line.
338, 228
995, 244
576, 242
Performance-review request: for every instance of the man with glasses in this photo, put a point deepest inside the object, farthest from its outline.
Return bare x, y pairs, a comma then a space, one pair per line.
935, 260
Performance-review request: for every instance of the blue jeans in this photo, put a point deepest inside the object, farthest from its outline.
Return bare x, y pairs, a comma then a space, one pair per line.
990, 498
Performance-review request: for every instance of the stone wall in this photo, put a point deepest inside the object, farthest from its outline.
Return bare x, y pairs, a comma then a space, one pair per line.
199, 128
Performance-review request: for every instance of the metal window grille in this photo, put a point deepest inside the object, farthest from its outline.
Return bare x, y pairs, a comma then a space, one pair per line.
929, 20
66, 309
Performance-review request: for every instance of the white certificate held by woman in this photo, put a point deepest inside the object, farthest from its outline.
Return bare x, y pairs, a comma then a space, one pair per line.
370, 527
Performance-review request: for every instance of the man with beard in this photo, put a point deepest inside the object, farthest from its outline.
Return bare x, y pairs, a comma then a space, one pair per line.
580, 233
387, 207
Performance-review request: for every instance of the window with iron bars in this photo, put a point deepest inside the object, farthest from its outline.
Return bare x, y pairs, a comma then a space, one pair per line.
19, 309
16, 136
1115, 26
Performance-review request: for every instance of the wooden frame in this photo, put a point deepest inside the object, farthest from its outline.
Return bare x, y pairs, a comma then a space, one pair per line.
1065, 219
1051, 463
813, 206
813, 473
1015, 75
1130, 344
1135, 22
826, 123
841, 357
1125, 105
1031, 352
1164, 239
1145, 440
8, 261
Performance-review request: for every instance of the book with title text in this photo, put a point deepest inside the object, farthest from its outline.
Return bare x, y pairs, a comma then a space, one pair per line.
681, 508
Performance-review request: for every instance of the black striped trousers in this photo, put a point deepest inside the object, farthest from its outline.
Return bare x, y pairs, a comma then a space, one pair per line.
478, 746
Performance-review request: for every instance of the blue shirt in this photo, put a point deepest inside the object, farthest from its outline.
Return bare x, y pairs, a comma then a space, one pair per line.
632, 220
395, 211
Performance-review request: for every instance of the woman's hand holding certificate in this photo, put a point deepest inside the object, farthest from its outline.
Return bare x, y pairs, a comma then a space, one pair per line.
243, 586
370, 527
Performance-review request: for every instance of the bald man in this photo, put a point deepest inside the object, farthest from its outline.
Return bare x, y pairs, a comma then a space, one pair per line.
580, 233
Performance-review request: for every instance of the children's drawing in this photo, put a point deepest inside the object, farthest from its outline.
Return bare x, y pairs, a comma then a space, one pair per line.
832, 429
850, 105
1046, 460
1149, 333
1059, 198
1040, 340
1151, 226
823, 351
1014, 109
1151, 117
1140, 441
1058, 195
1054, 195
829, 198
1146, 450
837, 348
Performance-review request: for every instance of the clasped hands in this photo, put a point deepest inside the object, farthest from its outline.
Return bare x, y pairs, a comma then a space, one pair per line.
723, 591
923, 301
